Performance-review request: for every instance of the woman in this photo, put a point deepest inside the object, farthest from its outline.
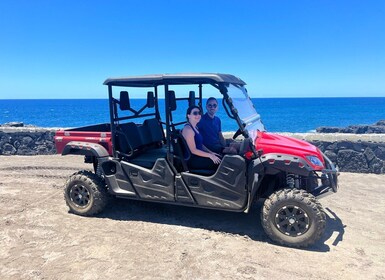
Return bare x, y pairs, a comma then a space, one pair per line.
201, 157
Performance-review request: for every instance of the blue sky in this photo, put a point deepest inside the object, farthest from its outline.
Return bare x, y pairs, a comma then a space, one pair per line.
66, 49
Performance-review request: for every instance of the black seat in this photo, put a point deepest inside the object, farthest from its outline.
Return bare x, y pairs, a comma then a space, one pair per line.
128, 139
148, 158
154, 131
141, 144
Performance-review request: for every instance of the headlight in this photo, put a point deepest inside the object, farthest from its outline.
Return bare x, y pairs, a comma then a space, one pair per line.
315, 161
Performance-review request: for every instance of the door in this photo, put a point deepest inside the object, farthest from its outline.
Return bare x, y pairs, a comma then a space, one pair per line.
226, 189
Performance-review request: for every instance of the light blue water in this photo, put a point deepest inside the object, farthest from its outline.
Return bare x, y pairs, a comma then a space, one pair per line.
278, 114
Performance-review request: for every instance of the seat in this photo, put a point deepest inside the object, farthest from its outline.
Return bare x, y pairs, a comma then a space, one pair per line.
154, 131
141, 144
129, 139
148, 158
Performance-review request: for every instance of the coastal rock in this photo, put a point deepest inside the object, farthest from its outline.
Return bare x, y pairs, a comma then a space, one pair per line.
13, 124
376, 166
26, 142
380, 152
378, 128
8, 149
369, 154
352, 161
350, 156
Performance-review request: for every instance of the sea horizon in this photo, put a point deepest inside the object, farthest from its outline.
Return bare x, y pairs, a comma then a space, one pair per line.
288, 114
259, 97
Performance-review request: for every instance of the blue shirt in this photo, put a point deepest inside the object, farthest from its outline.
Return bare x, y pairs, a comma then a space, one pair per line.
210, 129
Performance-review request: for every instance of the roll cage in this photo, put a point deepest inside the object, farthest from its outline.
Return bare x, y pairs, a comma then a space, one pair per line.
163, 81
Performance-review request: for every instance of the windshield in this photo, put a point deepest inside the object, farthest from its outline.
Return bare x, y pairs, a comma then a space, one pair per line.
246, 109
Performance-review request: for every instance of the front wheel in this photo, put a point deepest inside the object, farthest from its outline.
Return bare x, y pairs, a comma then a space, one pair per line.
293, 217
85, 193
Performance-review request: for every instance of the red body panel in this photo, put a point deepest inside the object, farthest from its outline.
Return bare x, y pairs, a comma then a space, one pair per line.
63, 137
278, 144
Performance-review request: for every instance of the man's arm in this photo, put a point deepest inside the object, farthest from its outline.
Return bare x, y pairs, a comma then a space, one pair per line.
221, 138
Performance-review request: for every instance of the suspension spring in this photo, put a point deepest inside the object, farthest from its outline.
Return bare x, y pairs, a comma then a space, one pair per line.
290, 181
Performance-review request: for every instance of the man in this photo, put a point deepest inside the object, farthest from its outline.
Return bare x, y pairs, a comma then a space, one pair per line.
211, 129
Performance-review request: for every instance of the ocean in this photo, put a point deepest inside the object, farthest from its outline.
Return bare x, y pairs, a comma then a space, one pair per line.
278, 114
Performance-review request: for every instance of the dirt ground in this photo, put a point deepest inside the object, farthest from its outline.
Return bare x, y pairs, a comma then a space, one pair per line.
39, 239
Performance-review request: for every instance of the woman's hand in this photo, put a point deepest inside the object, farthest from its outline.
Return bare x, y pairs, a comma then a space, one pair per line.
215, 158
218, 155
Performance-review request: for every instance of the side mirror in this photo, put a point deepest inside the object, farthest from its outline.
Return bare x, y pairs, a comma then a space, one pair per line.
124, 101
191, 98
150, 99
172, 100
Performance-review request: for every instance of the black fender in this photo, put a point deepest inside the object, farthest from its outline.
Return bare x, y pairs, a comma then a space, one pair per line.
85, 148
272, 164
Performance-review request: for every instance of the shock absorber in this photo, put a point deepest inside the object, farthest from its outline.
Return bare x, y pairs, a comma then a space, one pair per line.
290, 180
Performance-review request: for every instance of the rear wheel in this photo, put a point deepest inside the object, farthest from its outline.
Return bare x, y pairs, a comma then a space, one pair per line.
293, 217
85, 193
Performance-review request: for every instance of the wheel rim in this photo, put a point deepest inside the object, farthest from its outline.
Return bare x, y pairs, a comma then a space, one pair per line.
292, 220
80, 196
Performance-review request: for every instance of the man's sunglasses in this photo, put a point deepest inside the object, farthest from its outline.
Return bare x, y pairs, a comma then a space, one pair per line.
196, 113
212, 105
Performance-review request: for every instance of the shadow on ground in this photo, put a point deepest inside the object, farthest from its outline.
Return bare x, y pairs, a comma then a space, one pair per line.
241, 224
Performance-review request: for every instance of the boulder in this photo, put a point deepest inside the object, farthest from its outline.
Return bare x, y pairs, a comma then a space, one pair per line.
352, 161
7, 149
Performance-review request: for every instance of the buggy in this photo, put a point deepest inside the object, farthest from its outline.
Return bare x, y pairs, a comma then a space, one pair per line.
140, 154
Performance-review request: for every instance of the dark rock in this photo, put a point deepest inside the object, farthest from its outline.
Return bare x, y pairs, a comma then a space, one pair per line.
358, 146
380, 152
376, 166
333, 146
8, 150
327, 129
26, 141
4, 138
20, 142
13, 124
378, 127
26, 151
352, 161
369, 154
345, 145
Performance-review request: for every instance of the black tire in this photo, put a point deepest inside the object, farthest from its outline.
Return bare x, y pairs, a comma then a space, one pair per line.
293, 218
85, 193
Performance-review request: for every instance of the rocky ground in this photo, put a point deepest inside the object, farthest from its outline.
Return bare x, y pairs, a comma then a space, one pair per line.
39, 239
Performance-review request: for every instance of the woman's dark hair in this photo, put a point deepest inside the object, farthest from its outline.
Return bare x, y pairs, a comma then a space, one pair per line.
189, 109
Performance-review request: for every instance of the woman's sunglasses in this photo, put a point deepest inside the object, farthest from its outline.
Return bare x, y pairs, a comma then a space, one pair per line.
196, 113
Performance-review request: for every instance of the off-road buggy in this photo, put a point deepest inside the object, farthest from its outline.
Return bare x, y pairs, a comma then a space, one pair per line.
141, 155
